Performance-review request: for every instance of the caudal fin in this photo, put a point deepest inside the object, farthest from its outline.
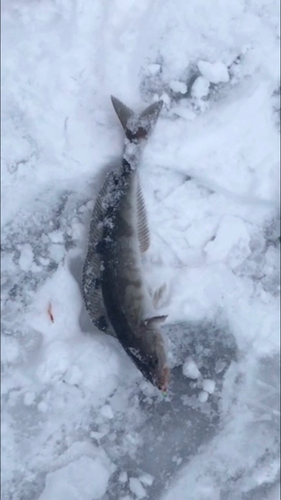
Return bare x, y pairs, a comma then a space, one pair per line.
137, 126
122, 111
150, 115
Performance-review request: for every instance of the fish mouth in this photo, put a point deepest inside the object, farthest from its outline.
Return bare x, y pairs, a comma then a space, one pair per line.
164, 380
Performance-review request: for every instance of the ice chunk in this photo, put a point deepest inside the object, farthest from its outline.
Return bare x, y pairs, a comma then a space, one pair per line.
209, 386
106, 411
178, 87
146, 479
57, 252
165, 98
56, 236
200, 87
214, 72
26, 257
123, 478
203, 396
190, 369
85, 478
137, 488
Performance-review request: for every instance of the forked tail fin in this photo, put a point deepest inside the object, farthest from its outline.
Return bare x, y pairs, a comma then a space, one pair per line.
137, 126
122, 111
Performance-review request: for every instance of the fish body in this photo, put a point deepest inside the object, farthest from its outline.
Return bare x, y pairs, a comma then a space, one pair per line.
114, 288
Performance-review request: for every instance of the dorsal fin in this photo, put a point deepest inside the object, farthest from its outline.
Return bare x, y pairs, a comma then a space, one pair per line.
142, 225
122, 111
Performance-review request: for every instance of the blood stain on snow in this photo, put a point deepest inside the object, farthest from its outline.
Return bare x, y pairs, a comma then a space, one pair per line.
50, 313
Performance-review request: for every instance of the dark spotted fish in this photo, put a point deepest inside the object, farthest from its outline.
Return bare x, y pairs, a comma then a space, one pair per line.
114, 289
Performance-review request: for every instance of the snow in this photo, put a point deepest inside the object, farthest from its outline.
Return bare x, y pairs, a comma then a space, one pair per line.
123, 478
137, 488
203, 396
106, 411
146, 479
153, 69
213, 72
200, 87
29, 398
177, 86
209, 386
231, 243
84, 477
26, 257
190, 369
78, 419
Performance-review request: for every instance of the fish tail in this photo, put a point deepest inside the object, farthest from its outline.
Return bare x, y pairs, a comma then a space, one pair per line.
137, 126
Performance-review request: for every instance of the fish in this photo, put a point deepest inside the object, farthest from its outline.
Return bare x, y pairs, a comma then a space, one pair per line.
114, 289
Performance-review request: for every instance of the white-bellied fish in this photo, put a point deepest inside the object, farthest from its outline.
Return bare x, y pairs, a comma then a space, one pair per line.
114, 289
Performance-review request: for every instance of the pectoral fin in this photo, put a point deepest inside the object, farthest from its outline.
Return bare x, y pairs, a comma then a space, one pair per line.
154, 321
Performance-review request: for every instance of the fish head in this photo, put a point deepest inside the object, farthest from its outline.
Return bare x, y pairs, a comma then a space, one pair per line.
154, 360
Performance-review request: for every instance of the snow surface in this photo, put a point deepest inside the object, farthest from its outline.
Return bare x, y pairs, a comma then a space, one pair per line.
78, 419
